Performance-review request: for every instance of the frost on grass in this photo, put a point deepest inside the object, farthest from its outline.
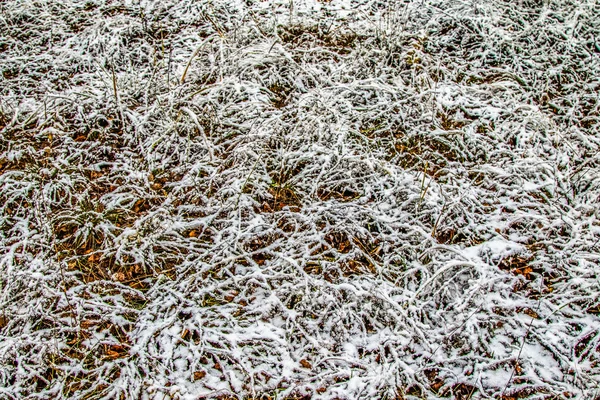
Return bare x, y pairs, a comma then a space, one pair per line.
301, 199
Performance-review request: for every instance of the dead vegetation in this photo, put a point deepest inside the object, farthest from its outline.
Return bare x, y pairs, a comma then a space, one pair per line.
339, 40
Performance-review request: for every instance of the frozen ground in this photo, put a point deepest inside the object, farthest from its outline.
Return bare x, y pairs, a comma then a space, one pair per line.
299, 199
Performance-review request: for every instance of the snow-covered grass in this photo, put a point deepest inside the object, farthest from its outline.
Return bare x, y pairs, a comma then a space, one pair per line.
299, 199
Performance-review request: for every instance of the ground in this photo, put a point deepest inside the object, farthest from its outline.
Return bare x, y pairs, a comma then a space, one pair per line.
299, 199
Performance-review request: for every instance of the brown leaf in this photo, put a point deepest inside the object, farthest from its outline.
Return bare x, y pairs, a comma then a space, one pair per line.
524, 271
114, 351
199, 375
88, 323
229, 298
531, 313
437, 385
110, 354
118, 276
304, 363
518, 369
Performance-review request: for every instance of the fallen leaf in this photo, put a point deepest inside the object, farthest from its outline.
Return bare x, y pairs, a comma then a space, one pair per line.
88, 323
118, 276
518, 369
437, 385
531, 313
112, 354
199, 375
229, 298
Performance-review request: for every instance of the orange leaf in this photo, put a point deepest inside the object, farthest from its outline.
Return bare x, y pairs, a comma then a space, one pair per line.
199, 375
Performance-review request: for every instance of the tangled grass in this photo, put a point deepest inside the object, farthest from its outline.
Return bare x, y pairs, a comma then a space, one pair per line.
300, 200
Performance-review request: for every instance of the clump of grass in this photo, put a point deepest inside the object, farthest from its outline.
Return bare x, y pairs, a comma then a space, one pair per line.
339, 40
